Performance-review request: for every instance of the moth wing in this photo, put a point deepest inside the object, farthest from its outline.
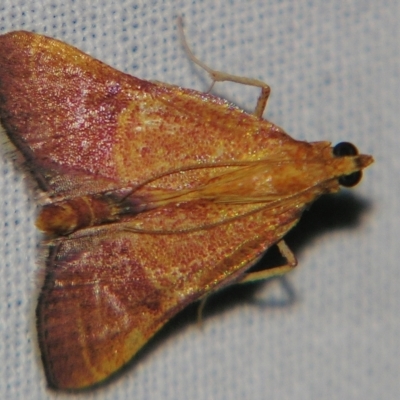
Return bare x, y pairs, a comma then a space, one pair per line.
84, 127
106, 294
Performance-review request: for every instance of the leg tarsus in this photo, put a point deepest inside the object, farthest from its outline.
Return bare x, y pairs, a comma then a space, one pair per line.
219, 76
200, 310
291, 262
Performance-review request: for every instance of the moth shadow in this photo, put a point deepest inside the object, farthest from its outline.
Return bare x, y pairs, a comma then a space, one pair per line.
341, 211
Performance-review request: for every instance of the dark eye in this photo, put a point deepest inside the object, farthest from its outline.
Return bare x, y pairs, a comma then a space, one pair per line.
350, 180
343, 149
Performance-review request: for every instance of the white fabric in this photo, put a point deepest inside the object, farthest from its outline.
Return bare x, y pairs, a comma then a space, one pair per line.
330, 330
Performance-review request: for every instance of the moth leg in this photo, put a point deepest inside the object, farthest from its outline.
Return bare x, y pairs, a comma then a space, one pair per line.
291, 262
219, 76
200, 310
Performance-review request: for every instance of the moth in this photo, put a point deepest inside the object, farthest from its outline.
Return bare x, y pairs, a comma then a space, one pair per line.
156, 196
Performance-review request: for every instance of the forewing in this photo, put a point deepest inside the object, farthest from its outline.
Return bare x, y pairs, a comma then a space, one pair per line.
84, 127
107, 291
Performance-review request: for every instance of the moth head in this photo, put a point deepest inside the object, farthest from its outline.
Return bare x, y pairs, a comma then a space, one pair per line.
345, 149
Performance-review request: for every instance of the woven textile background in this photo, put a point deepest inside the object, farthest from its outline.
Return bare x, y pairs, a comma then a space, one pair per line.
329, 330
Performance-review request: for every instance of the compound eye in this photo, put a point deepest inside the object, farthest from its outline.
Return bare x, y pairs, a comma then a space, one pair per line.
350, 180
343, 149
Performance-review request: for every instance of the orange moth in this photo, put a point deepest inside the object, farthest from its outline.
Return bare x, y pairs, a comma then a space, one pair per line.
156, 195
